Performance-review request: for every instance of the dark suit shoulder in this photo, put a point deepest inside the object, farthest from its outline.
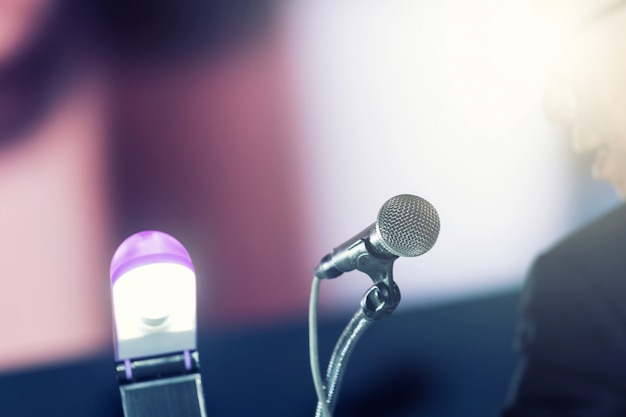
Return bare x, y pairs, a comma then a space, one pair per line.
571, 333
592, 258
575, 292
603, 238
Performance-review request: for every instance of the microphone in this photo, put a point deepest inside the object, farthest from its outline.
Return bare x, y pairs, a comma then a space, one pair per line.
153, 290
407, 225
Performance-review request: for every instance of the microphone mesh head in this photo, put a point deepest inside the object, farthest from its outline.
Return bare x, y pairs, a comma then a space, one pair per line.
407, 225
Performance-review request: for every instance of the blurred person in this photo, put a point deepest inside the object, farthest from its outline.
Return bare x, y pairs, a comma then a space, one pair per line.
572, 330
121, 116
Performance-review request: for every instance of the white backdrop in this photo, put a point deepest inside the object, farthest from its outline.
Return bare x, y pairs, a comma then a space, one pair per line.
438, 99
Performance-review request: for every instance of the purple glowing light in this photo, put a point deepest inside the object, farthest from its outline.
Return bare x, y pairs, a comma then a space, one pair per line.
145, 248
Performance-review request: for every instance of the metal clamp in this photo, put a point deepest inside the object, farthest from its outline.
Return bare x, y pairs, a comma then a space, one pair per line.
380, 301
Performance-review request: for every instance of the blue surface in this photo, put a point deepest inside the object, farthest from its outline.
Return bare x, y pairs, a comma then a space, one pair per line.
452, 360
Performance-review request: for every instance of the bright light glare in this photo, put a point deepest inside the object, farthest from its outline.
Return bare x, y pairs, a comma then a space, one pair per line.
442, 100
495, 58
151, 299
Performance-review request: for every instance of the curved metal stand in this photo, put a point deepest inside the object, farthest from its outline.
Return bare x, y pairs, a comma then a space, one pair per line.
336, 366
378, 302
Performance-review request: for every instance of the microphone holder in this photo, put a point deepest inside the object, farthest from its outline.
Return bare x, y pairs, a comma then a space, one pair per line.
378, 302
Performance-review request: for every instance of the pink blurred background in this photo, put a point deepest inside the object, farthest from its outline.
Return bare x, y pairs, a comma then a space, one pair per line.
180, 121
261, 134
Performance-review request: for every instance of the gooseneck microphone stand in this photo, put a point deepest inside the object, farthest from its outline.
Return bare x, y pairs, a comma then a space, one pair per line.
379, 301
406, 225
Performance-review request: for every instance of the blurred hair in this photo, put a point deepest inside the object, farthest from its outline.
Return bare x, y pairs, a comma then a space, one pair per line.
34, 78
165, 29
77, 31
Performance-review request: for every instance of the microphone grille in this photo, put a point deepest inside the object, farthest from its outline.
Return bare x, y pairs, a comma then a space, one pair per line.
408, 225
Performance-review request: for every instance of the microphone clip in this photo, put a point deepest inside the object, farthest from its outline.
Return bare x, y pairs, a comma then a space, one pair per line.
380, 300
383, 297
